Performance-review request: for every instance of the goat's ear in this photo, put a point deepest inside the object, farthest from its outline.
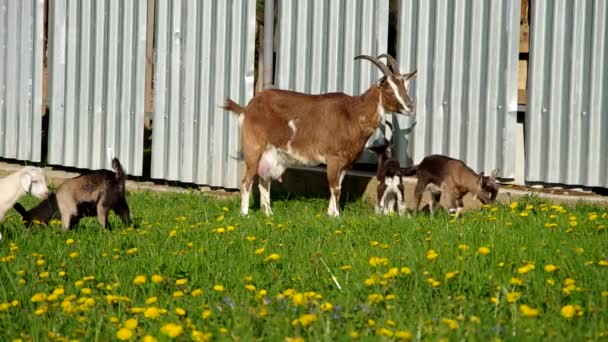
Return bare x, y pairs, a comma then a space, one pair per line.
494, 174
481, 179
26, 181
410, 76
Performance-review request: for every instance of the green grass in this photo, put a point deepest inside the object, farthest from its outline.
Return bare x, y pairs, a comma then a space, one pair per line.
179, 238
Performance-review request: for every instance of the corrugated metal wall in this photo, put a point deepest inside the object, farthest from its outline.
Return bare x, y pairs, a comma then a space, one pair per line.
97, 54
205, 52
567, 117
466, 53
318, 41
21, 45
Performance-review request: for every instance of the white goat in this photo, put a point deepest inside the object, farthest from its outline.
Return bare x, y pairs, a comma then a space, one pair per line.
12, 187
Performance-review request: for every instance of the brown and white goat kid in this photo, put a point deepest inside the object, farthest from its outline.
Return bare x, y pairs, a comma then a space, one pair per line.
282, 128
451, 177
390, 191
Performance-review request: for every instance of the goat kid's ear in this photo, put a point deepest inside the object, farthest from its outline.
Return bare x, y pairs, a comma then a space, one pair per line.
26, 182
481, 180
410, 76
494, 174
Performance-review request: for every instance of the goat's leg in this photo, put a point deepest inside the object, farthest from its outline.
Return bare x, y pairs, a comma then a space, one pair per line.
264, 186
418, 191
102, 214
460, 205
401, 199
121, 208
252, 155
67, 210
435, 198
335, 176
380, 198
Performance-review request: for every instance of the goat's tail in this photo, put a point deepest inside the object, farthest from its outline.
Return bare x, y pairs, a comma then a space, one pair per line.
120, 172
20, 209
233, 106
410, 170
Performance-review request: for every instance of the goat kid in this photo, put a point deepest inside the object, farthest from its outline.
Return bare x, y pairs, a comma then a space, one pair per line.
92, 194
390, 192
281, 128
443, 175
29, 179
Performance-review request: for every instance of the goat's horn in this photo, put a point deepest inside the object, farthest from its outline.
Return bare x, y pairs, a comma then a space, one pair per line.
377, 62
392, 63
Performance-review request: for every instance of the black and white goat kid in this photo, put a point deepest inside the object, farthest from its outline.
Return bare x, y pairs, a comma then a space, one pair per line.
390, 192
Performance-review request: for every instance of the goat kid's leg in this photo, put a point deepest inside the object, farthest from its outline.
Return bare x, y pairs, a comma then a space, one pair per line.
67, 210
418, 191
380, 198
435, 198
264, 186
251, 154
401, 199
335, 176
122, 210
102, 214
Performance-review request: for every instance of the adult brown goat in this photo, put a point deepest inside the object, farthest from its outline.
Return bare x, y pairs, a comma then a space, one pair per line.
281, 128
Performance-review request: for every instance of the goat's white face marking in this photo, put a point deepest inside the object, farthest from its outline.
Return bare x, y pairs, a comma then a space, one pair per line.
398, 94
33, 182
293, 127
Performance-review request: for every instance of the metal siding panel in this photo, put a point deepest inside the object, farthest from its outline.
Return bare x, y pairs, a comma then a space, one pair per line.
565, 123
21, 79
317, 43
204, 53
466, 55
97, 80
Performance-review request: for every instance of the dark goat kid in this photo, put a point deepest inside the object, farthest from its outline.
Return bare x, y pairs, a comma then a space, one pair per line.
48, 210
390, 192
92, 194
453, 178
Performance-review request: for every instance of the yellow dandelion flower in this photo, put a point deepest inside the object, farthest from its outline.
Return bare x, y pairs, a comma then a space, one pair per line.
484, 250
568, 311
550, 281
156, 278
149, 338
196, 292
250, 288
346, 267
206, 313
354, 335
451, 275
463, 247
124, 334
178, 294
528, 311
376, 261
69, 241
220, 230
384, 332
516, 281
43, 275
140, 279
41, 310
218, 288
603, 263
525, 269
604, 293
180, 312
131, 323
405, 270
39, 297
152, 312
327, 306
74, 255
452, 324
180, 282
152, 300
295, 339
272, 257
550, 268
304, 320
550, 225
475, 319
250, 238
392, 273
431, 254
404, 335
199, 336
512, 297
298, 299
172, 330
260, 251
40, 262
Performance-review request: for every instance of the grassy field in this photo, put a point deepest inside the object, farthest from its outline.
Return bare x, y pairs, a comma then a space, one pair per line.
193, 269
